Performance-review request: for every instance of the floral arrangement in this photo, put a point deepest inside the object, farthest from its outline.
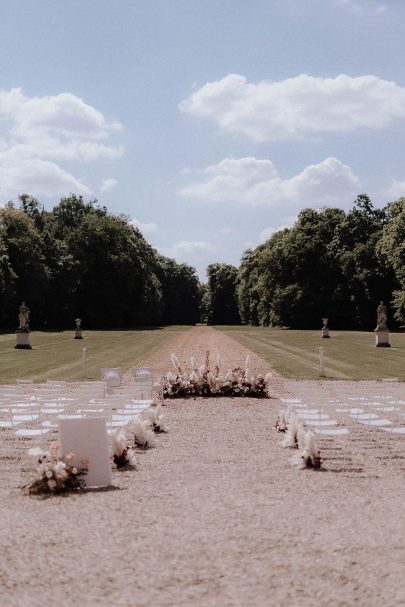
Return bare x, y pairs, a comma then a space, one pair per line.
56, 474
310, 456
294, 429
155, 418
144, 436
123, 455
299, 437
211, 381
281, 422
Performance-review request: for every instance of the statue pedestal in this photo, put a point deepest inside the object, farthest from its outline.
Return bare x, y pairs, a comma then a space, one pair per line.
78, 334
382, 339
23, 340
325, 332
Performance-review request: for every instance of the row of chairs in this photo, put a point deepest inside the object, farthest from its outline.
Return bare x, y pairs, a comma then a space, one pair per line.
29, 412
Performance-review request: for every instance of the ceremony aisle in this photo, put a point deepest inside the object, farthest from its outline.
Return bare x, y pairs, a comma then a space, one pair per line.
216, 515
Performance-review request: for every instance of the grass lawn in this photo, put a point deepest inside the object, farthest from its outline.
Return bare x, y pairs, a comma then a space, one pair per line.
348, 354
59, 356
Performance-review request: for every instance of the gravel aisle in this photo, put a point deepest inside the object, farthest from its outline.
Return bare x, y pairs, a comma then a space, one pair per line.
214, 516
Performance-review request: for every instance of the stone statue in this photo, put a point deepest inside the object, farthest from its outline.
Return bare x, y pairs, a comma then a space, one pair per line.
78, 330
381, 318
23, 317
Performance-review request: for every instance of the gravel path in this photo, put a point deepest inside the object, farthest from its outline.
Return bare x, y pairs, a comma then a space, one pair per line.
216, 516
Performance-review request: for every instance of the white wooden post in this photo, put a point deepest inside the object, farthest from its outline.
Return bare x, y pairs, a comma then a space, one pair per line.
84, 362
322, 362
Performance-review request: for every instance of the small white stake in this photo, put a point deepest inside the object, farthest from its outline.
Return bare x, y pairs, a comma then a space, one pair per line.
322, 362
84, 362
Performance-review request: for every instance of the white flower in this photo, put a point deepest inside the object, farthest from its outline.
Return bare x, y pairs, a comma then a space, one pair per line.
41, 469
175, 361
131, 458
247, 365
309, 456
60, 470
37, 453
143, 435
52, 484
155, 418
74, 471
294, 431
118, 441
49, 474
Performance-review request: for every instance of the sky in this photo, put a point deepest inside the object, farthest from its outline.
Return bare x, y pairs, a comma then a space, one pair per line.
209, 123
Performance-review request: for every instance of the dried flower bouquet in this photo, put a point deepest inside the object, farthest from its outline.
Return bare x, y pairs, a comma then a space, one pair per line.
212, 381
56, 474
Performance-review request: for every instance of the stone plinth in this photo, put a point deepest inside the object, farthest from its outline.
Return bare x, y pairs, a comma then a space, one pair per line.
23, 340
382, 339
325, 332
78, 334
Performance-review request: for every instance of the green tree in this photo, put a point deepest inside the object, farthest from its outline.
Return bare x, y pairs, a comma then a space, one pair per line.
181, 294
391, 248
24, 266
222, 298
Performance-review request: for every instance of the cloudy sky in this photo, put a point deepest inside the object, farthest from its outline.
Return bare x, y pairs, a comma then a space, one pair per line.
210, 123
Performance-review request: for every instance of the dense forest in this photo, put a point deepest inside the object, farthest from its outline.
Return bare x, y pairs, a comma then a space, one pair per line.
79, 260
329, 264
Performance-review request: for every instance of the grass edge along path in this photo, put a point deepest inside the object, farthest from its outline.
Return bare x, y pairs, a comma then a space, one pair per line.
57, 355
349, 355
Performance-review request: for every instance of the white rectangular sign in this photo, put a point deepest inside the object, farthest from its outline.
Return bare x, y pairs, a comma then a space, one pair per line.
87, 439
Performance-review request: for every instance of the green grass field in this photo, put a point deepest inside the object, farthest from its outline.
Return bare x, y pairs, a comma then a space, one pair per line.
348, 354
59, 356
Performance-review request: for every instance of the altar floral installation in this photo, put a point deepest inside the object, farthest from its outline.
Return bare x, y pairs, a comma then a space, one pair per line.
56, 474
210, 380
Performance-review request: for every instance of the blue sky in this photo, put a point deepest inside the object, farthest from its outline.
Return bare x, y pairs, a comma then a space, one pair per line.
209, 123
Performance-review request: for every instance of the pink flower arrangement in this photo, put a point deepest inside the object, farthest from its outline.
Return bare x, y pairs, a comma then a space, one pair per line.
56, 474
207, 381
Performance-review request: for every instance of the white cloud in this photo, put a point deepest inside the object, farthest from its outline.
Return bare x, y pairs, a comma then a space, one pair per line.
361, 7
108, 184
397, 190
39, 178
187, 250
40, 133
293, 108
326, 183
268, 232
145, 228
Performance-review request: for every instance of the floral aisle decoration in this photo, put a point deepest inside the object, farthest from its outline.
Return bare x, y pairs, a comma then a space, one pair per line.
309, 455
123, 455
281, 422
56, 474
144, 436
156, 419
211, 380
297, 436
294, 430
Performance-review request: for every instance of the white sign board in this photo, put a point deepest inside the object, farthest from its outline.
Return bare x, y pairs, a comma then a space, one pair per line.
87, 439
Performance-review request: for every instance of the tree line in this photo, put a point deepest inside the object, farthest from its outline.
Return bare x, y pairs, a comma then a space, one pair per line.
330, 264
79, 260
